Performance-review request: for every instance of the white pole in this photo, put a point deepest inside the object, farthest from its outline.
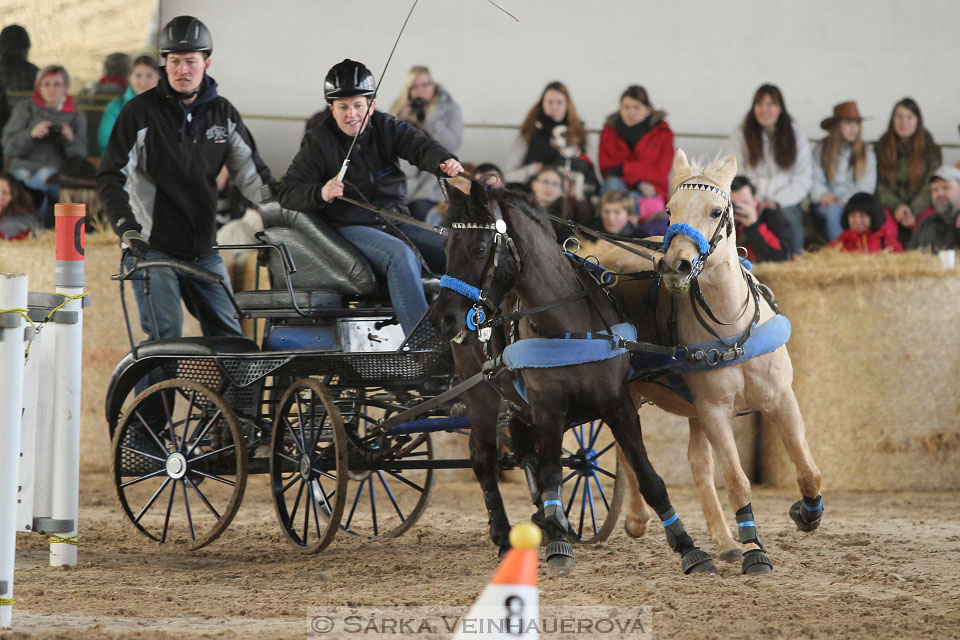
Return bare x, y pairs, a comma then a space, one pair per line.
69, 280
13, 295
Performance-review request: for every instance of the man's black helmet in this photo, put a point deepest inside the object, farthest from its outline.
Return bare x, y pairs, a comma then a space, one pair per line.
348, 79
184, 34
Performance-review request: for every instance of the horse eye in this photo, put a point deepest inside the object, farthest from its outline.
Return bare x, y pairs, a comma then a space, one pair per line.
479, 250
716, 213
667, 211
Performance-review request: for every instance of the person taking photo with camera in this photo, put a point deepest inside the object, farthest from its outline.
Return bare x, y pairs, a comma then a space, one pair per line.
427, 106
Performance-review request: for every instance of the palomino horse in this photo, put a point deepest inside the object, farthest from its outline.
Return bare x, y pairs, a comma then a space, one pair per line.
711, 298
498, 244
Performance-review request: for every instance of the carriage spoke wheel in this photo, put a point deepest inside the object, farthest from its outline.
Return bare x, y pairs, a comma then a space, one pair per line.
180, 464
593, 482
308, 463
385, 496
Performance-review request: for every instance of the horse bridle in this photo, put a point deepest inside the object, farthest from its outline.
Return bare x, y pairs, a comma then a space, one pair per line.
705, 247
477, 316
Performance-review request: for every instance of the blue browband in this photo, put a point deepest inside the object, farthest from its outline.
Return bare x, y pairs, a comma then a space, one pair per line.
461, 287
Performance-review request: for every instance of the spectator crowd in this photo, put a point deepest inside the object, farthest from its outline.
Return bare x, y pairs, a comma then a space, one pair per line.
791, 195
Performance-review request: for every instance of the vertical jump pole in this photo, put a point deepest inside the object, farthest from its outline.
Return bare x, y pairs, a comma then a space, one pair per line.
69, 280
13, 295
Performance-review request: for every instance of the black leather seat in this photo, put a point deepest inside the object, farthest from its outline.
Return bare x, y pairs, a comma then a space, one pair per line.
197, 346
266, 304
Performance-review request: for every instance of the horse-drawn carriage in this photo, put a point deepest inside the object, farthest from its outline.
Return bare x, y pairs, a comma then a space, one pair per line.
338, 409
306, 407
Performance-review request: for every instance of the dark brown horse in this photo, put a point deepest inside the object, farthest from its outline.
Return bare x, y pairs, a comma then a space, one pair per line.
498, 244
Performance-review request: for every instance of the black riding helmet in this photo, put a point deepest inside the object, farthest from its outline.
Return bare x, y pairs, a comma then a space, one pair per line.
185, 34
348, 79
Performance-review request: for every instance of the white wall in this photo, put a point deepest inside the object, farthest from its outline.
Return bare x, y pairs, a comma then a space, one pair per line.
700, 60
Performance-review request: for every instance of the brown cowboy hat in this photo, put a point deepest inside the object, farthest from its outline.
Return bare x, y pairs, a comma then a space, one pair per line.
842, 111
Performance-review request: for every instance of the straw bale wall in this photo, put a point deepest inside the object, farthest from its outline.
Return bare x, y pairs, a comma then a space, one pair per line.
104, 333
874, 350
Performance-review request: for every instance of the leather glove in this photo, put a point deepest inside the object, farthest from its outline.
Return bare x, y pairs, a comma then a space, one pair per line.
137, 243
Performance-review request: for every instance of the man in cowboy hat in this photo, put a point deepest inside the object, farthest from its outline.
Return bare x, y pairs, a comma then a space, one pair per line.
938, 226
312, 183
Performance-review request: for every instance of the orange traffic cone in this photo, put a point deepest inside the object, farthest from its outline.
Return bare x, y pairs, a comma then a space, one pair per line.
509, 606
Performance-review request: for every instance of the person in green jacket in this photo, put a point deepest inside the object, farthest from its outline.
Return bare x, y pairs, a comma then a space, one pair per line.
143, 76
906, 157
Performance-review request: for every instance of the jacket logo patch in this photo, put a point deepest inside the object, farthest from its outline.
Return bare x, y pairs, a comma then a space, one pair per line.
217, 133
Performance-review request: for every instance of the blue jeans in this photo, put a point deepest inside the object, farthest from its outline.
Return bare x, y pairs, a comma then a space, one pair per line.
794, 216
206, 302
393, 259
831, 217
37, 179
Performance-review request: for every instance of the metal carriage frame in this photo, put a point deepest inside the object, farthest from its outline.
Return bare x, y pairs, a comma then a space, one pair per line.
221, 409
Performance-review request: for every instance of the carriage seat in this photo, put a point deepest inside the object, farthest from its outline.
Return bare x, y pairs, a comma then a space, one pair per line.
325, 262
197, 346
276, 303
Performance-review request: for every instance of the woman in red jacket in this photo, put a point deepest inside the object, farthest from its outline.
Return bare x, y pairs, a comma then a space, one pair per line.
865, 228
636, 151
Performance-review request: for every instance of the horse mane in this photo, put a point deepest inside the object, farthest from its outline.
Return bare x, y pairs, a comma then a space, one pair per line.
506, 198
699, 169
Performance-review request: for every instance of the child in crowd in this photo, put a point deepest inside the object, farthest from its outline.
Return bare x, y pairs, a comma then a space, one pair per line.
18, 217
618, 216
865, 231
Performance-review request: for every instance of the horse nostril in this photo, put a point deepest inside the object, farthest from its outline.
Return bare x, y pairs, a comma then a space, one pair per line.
683, 267
447, 324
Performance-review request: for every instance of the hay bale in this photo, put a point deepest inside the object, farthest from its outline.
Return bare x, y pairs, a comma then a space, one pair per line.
875, 370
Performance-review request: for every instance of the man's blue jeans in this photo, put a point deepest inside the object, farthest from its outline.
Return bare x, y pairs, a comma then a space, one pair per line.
37, 179
206, 302
392, 258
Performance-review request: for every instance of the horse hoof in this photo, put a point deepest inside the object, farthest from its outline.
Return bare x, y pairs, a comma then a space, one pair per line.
635, 528
731, 555
502, 552
756, 563
560, 560
697, 561
805, 519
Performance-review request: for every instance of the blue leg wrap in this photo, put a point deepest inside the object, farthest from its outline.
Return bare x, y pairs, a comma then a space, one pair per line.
746, 526
553, 508
673, 527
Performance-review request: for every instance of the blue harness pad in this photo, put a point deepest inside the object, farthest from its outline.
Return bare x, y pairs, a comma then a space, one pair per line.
541, 353
768, 337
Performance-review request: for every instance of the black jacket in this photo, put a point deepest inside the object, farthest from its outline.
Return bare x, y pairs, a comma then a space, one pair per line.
936, 232
373, 170
159, 173
769, 239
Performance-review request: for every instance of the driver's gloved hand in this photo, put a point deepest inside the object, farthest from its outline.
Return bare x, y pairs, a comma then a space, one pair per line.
137, 243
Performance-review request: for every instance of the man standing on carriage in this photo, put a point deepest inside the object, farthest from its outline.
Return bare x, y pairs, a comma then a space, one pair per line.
312, 183
158, 182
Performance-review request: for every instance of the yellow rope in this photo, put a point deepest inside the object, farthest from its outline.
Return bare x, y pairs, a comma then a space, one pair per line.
6, 602
58, 540
36, 327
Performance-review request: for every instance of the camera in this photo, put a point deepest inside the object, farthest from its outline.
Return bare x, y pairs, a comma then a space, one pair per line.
55, 130
419, 108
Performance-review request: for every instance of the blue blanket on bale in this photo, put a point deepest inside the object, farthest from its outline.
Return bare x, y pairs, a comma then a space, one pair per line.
542, 353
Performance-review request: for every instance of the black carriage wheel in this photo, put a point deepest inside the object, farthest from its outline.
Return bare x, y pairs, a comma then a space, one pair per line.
308, 462
385, 498
593, 482
177, 435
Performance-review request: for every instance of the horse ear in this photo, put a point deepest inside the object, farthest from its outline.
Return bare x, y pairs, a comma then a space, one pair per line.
680, 162
477, 192
727, 170
456, 196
